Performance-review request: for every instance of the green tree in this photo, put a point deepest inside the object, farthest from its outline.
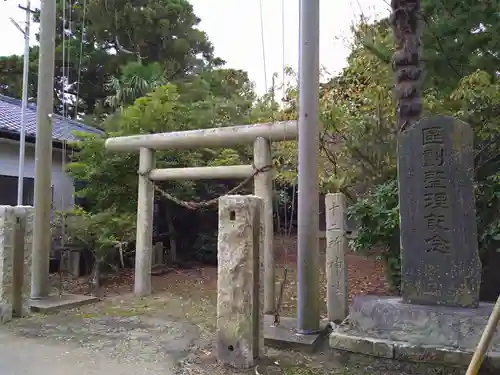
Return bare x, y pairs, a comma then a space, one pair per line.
459, 38
104, 36
153, 31
11, 74
471, 96
214, 98
135, 81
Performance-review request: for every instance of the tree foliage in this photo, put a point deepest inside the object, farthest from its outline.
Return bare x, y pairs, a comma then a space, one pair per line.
471, 95
104, 36
146, 67
214, 98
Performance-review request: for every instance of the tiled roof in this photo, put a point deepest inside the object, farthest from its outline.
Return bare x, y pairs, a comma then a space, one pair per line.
62, 128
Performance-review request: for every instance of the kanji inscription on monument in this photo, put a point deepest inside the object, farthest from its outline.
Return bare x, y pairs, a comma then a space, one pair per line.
439, 257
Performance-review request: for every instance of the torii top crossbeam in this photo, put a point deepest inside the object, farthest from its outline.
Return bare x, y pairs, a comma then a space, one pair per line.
216, 137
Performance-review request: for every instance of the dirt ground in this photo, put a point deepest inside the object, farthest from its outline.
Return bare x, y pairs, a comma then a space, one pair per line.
164, 333
366, 276
172, 331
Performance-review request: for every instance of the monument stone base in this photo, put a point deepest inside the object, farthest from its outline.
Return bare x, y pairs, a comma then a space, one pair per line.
388, 328
55, 303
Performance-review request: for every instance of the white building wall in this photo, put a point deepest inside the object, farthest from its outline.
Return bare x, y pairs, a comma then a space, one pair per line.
62, 183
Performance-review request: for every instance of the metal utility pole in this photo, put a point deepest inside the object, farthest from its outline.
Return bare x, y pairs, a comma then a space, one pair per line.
43, 152
24, 105
308, 200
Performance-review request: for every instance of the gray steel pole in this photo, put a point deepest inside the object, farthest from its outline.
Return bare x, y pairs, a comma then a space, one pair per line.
22, 136
308, 200
43, 152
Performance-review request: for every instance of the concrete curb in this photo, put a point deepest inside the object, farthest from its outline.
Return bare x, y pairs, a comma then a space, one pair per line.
404, 351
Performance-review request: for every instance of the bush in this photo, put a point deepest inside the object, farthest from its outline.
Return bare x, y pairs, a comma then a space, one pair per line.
99, 233
377, 215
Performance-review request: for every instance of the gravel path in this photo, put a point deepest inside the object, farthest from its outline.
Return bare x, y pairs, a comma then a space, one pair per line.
71, 344
21, 356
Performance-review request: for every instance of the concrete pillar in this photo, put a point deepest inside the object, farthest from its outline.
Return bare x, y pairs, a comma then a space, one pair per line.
40, 286
336, 250
240, 316
16, 239
308, 154
263, 188
144, 236
42, 245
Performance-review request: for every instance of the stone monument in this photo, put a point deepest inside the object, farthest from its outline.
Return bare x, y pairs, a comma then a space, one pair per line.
240, 310
439, 319
439, 253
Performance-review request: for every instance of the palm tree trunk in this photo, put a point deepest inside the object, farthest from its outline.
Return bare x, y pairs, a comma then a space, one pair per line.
405, 21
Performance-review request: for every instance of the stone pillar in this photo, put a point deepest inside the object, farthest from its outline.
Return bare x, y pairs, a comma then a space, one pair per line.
336, 265
158, 254
240, 316
263, 188
144, 236
74, 263
16, 240
27, 214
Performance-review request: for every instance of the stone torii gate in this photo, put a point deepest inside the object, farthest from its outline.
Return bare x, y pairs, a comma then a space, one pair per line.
261, 135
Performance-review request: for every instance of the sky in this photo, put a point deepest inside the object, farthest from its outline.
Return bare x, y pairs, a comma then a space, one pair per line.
234, 27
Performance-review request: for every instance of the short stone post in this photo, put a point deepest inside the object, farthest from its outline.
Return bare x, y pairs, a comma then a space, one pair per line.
74, 263
263, 188
158, 254
336, 264
240, 314
144, 237
16, 240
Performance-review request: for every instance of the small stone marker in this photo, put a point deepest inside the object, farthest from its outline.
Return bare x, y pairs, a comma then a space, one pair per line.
336, 250
240, 318
439, 253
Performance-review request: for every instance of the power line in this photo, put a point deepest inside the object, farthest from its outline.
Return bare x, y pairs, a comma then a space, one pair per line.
283, 73
80, 58
263, 44
70, 36
64, 58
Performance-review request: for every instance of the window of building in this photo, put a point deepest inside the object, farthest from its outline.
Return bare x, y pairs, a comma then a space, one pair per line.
8, 191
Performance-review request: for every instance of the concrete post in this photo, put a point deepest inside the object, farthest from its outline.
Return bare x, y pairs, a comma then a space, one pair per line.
7, 232
240, 317
263, 188
16, 239
308, 147
144, 236
336, 265
43, 152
